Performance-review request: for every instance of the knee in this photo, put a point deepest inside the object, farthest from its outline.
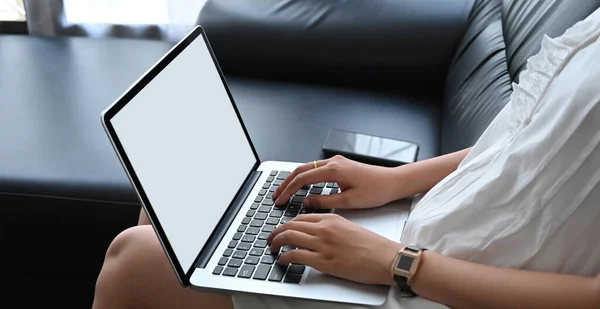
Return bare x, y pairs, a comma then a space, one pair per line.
123, 242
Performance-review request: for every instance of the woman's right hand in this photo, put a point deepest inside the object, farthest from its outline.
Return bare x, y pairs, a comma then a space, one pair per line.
362, 185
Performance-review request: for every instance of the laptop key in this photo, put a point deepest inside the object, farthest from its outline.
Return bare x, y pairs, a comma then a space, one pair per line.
280, 207
248, 238
232, 244
329, 185
316, 191
286, 248
292, 278
230, 271
264, 209
246, 220
252, 260
296, 269
252, 231
301, 192
250, 213
258, 199
239, 255
273, 188
241, 228
335, 185
270, 178
222, 261
283, 175
227, 252
263, 236
268, 228
267, 259
268, 202
262, 192
261, 216
218, 270
257, 223
266, 185
256, 251
333, 191
268, 251
262, 272
273, 173
272, 221
319, 185
276, 213
277, 273
270, 195
246, 271
306, 210
298, 199
278, 182
294, 206
235, 263
307, 187
260, 243
254, 206
244, 246
237, 236
290, 213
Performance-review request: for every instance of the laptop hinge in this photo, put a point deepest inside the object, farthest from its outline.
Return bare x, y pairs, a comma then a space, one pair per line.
225, 223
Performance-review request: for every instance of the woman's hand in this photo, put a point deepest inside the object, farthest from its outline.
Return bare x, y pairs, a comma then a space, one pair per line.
336, 246
362, 185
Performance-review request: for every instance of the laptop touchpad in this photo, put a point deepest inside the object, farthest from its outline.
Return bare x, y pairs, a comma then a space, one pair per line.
387, 221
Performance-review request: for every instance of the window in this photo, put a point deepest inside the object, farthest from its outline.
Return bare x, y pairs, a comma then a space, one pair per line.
12, 16
132, 12
139, 12
12, 10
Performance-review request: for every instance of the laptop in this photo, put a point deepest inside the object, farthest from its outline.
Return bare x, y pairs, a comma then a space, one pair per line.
184, 146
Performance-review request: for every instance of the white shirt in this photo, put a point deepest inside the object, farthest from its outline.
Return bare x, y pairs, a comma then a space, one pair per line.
528, 195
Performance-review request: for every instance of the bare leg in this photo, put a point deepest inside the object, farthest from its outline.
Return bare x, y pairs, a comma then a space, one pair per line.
143, 219
137, 274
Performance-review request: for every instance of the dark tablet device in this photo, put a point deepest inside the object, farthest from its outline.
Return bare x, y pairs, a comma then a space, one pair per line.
370, 149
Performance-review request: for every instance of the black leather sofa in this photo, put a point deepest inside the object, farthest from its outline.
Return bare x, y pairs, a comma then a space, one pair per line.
435, 72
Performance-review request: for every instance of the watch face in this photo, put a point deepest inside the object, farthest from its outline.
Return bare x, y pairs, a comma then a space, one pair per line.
405, 262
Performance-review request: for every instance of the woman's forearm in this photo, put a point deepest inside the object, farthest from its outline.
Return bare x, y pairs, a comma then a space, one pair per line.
421, 176
460, 284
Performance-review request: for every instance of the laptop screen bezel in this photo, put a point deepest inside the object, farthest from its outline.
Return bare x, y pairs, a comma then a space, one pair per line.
183, 275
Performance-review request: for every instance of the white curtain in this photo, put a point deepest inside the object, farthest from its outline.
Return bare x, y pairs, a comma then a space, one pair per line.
158, 19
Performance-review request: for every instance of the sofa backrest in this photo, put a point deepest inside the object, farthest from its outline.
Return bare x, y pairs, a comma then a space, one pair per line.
501, 36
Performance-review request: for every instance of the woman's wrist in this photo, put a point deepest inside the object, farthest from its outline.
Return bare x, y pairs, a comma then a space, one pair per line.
385, 261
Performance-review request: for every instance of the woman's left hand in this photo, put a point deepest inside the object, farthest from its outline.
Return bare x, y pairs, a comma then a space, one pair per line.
336, 246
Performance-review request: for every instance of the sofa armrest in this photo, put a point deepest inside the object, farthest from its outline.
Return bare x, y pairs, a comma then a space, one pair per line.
378, 43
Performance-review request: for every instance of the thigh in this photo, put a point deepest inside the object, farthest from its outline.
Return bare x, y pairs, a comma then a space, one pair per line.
145, 276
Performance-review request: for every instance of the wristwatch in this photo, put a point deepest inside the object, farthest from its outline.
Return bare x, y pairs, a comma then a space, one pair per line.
405, 266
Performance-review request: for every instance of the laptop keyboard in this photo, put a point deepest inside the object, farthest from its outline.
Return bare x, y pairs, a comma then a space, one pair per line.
247, 254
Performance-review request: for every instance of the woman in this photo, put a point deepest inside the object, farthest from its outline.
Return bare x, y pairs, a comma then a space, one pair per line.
512, 222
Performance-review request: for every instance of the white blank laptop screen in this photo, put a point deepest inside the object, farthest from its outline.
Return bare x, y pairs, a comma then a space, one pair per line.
187, 147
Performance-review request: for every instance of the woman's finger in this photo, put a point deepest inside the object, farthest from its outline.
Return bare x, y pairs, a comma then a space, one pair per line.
302, 257
315, 175
300, 169
295, 239
304, 227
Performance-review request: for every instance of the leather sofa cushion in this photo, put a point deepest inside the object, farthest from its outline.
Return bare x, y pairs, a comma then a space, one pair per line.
290, 121
478, 85
394, 44
526, 22
501, 36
